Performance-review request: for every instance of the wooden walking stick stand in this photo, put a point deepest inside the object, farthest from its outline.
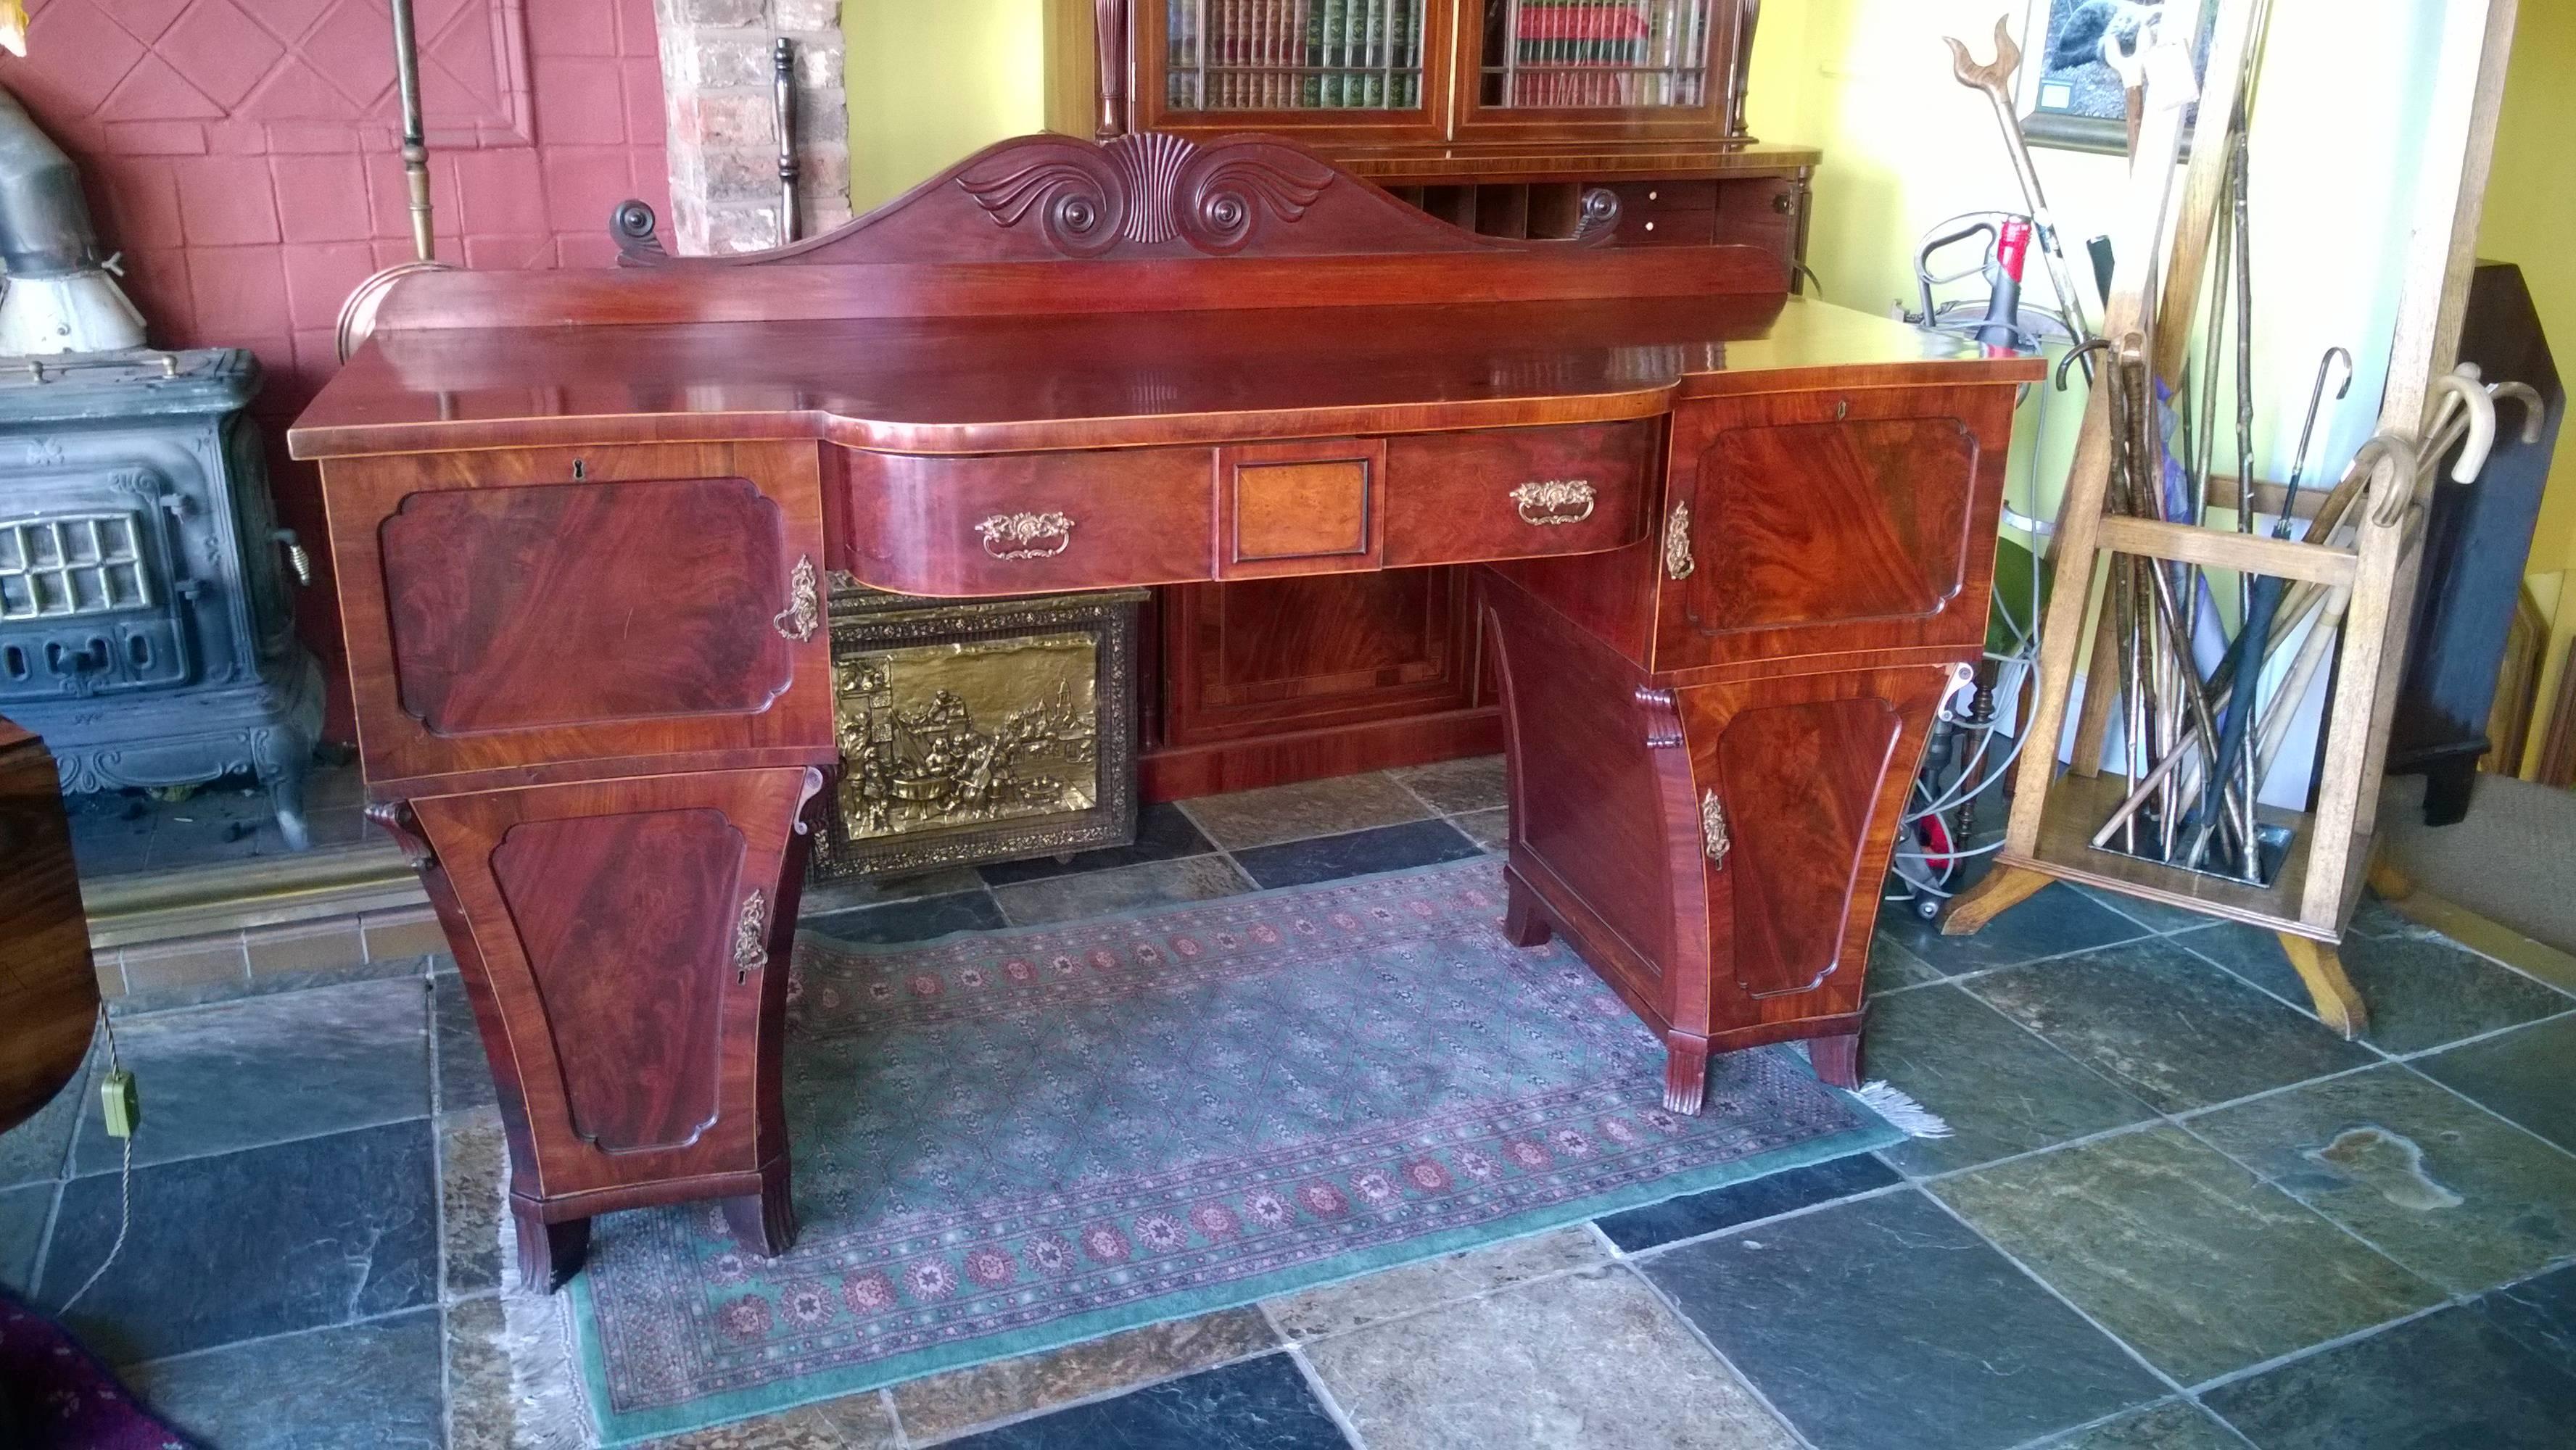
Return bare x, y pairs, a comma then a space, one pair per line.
2318, 882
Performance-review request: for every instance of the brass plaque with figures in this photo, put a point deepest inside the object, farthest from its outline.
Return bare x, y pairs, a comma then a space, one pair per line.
979, 731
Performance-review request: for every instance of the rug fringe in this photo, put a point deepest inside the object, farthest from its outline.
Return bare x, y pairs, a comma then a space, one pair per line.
546, 1407
1902, 1112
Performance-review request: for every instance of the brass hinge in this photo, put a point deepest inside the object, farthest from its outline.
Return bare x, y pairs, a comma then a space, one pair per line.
1712, 829
1677, 543
751, 936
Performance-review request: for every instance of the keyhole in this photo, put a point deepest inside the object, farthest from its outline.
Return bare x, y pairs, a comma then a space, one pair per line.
1841, 407
580, 470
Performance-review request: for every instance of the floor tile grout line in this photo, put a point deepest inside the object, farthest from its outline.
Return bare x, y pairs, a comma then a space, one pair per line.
2267, 1181
232, 1344
1700, 1337
1324, 1396
2516, 968
1639, 1257
2305, 1009
424, 1117
2487, 1109
2043, 1039
1040, 1412
894, 1416
1478, 1296
180, 1009
2060, 1295
2473, 1039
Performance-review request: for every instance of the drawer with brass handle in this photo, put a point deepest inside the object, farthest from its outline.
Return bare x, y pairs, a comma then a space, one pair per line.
1456, 498
1025, 523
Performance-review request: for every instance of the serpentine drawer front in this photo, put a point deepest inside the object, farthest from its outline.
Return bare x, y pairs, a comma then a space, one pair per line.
1021, 523
544, 607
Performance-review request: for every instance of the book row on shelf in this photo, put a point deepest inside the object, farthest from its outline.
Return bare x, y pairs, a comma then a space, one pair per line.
1296, 54
1597, 52
1367, 54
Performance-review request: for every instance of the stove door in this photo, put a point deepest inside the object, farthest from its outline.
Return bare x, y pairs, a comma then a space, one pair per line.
85, 601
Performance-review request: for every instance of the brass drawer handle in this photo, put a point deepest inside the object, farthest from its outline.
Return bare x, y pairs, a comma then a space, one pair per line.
804, 611
1026, 536
1566, 501
1678, 564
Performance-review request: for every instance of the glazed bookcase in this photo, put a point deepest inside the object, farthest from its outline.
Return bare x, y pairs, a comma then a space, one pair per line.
1399, 70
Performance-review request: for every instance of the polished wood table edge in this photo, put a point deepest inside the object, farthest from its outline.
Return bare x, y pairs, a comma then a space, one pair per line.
941, 440
1825, 377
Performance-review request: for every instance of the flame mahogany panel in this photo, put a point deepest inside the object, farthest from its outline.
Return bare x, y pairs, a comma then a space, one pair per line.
1828, 519
595, 927
623, 922
566, 631
1798, 782
668, 603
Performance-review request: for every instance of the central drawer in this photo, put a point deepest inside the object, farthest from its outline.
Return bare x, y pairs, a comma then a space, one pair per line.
1032, 523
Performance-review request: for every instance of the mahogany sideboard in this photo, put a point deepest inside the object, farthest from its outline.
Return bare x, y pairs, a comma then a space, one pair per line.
1738, 544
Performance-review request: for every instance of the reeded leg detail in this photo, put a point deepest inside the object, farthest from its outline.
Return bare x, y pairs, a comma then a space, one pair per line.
764, 1223
549, 1253
1524, 925
1837, 1059
1685, 1073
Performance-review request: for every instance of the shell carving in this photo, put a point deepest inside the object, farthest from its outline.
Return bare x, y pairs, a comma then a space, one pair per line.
1150, 188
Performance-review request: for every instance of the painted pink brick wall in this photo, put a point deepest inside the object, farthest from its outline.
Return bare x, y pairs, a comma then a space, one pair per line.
242, 155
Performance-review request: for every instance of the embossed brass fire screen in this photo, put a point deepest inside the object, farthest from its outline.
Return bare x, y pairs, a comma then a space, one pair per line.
976, 731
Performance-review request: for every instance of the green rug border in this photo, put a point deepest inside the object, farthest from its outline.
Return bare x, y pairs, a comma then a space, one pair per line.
617, 1429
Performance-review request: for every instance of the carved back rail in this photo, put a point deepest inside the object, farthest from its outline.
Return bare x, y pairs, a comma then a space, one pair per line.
1158, 222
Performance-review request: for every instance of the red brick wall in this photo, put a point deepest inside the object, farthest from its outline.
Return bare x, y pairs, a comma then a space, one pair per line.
243, 156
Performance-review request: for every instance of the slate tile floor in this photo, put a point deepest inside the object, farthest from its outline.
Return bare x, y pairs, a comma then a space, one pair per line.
2176, 1213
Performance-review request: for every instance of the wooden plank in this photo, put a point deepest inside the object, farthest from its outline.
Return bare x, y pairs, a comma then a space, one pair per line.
2223, 549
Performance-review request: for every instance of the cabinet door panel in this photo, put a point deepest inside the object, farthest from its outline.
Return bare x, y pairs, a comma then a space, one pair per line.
626, 935
1798, 782
1810, 775
663, 591
622, 920
520, 615
1831, 521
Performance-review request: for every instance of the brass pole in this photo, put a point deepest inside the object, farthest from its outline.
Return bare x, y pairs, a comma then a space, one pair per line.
415, 148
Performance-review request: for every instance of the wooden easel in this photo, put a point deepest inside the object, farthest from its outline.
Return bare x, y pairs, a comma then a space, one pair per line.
2318, 884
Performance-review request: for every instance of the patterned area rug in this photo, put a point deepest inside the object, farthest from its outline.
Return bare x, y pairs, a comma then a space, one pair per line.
1010, 1141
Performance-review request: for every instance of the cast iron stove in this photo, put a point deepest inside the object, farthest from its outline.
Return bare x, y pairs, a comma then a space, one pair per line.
145, 631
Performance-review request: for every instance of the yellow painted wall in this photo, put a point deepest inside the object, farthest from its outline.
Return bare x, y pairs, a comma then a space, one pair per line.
2531, 221
933, 81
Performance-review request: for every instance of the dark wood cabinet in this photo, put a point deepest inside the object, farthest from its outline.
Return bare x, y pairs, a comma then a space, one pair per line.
590, 660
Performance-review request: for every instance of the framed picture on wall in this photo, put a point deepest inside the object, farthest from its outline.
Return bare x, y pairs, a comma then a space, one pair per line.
2070, 96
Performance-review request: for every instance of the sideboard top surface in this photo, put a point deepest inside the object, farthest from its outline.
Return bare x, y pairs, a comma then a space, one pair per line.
1007, 384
